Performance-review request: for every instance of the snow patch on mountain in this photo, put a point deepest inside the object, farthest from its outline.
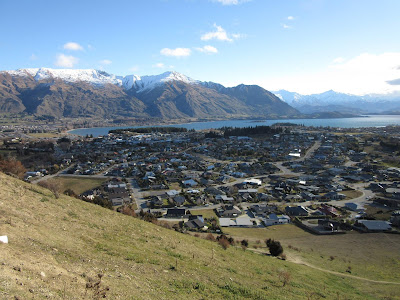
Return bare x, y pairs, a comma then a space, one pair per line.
144, 83
96, 77
334, 101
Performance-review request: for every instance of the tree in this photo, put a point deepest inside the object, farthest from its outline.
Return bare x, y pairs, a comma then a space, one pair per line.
53, 186
275, 247
245, 244
12, 166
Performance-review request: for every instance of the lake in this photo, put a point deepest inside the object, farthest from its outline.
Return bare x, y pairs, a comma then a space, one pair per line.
366, 121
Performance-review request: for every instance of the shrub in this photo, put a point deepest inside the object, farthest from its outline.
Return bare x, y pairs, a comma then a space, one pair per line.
210, 237
275, 247
53, 186
285, 277
223, 241
12, 166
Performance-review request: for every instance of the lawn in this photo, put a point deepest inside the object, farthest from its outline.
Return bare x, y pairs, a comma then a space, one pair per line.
77, 184
206, 213
45, 135
379, 213
273, 232
351, 194
373, 256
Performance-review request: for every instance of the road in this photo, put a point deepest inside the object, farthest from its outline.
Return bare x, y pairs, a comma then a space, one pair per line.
286, 171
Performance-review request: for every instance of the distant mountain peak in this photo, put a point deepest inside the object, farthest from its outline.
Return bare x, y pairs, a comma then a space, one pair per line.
98, 77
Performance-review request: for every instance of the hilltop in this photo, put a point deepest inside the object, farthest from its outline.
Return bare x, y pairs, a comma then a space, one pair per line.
55, 245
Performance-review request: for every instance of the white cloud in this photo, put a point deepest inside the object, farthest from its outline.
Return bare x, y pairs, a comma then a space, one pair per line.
220, 34
237, 36
177, 52
73, 46
33, 57
231, 2
162, 66
66, 61
134, 69
338, 60
208, 49
106, 62
364, 74
290, 18
285, 26
159, 65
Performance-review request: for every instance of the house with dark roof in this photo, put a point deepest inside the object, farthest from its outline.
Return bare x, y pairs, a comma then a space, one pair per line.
230, 211
195, 222
296, 211
175, 213
372, 225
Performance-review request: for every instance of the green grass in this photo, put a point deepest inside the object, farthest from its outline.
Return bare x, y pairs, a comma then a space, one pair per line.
274, 232
351, 194
379, 213
207, 213
373, 256
45, 135
77, 184
71, 240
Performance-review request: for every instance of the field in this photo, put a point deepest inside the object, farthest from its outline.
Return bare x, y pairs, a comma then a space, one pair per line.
56, 246
207, 213
45, 135
351, 194
77, 184
373, 256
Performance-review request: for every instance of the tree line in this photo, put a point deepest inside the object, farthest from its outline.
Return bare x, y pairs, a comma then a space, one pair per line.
149, 130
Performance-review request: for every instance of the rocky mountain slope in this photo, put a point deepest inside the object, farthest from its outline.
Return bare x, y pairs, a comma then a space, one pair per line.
97, 94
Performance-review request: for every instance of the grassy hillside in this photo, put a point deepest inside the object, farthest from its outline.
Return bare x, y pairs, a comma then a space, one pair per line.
55, 245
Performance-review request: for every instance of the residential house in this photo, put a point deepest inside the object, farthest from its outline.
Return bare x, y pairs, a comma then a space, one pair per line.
230, 211
373, 225
195, 222
296, 211
273, 219
175, 213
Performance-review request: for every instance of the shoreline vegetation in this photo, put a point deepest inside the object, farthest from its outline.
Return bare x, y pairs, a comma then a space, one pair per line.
354, 122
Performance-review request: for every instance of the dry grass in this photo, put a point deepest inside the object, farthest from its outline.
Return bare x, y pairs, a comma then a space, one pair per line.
77, 184
352, 194
374, 256
56, 244
207, 213
45, 135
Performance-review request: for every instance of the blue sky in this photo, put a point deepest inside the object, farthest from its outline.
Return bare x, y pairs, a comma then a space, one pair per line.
307, 46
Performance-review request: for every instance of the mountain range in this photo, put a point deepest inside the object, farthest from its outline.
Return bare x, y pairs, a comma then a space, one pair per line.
97, 94
332, 101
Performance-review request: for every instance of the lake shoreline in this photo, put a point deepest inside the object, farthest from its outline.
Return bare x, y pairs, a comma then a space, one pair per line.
355, 122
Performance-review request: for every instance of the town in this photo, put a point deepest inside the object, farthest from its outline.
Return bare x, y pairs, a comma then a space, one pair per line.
324, 180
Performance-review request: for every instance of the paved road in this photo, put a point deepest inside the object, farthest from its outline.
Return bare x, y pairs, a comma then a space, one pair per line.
286, 171
59, 173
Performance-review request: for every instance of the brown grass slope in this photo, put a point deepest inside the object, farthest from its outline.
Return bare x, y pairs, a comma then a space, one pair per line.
55, 245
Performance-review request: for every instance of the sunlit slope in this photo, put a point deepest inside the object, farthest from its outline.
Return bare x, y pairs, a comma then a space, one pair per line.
56, 244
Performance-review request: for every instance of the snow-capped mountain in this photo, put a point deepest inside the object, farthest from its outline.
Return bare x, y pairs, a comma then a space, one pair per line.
141, 84
97, 77
97, 94
330, 101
